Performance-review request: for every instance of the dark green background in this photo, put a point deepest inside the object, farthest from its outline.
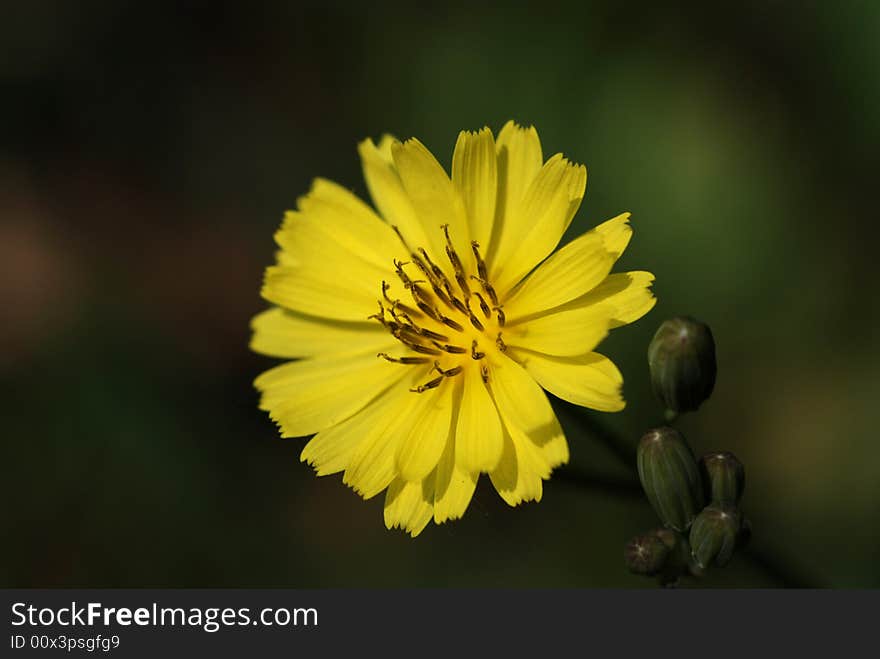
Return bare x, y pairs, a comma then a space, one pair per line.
149, 149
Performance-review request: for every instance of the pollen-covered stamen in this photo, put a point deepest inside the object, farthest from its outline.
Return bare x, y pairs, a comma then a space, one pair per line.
487, 312
474, 320
451, 323
403, 360
434, 324
457, 266
502, 319
456, 350
448, 372
437, 273
422, 388
488, 289
397, 304
481, 264
435, 285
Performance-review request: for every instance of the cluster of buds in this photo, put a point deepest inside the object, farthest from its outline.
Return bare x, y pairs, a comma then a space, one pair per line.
696, 501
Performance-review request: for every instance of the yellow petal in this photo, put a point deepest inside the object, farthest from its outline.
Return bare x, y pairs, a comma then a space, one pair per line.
332, 450
627, 293
479, 436
518, 153
535, 436
518, 476
309, 395
435, 200
408, 505
331, 214
475, 177
283, 333
572, 271
590, 380
345, 291
570, 332
421, 450
616, 233
373, 465
386, 190
453, 488
544, 214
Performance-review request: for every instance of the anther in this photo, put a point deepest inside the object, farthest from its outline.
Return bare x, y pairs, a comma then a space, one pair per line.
449, 372
425, 350
484, 372
458, 304
487, 287
502, 319
404, 360
481, 265
483, 306
430, 311
457, 350
428, 385
476, 354
474, 320
451, 323
456, 263
500, 343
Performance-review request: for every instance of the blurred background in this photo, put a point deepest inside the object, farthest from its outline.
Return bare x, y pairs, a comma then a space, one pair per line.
148, 151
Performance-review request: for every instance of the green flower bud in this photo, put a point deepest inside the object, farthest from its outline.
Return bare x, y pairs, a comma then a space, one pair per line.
645, 554
713, 536
670, 477
724, 478
681, 357
679, 559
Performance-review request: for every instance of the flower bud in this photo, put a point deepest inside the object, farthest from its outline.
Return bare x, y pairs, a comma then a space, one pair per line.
670, 477
681, 358
724, 478
713, 536
645, 554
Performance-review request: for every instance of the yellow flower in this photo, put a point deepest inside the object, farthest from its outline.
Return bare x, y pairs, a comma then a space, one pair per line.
424, 333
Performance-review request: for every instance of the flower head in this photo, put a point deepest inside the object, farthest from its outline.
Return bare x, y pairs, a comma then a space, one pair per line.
424, 332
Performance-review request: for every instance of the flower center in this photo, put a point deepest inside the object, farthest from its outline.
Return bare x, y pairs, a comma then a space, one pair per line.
453, 325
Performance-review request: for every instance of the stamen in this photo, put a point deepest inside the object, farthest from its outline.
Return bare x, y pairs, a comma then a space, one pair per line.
447, 373
403, 360
425, 350
474, 320
484, 372
456, 264
428, 385
379, 316
481, 265
483, 306
460, 306
500, 343
487, 287
502, 319
430, 311
457, 350
451, 323
476, 354
435, 269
